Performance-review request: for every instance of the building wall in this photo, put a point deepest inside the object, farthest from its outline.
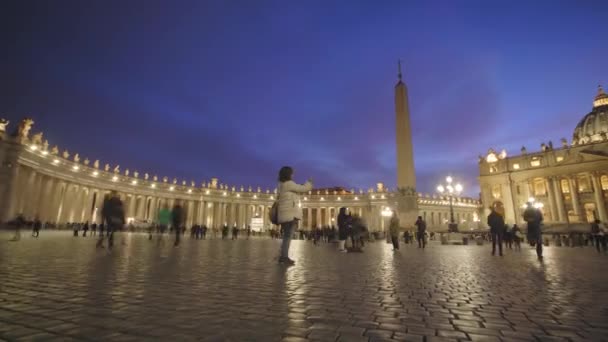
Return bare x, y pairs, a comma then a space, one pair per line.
571, 182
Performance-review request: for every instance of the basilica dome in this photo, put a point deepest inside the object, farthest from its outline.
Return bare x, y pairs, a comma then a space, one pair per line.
594, 126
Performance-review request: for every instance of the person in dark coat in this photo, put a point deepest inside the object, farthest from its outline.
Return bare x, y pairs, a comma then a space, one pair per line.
113, 214
497, 227
37, 226
534, 218
85, 229
598, 236
177, 221
343, 226
421, 232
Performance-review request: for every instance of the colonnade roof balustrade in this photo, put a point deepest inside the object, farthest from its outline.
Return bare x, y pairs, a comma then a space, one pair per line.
37, 155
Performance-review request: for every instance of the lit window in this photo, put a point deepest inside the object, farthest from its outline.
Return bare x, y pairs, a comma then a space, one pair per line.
604, 182
535, 162
516, 166
539, 187
565, 186
559, 158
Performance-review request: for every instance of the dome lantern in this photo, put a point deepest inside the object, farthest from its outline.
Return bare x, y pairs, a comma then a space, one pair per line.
601, 99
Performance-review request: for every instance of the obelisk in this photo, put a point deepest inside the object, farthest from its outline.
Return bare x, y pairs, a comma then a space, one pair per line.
407, 204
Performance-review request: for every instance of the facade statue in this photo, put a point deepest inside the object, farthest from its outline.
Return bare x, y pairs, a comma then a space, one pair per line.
106, 167
192, 183
524, 150
146, 176
564, 143
24, 128
117, 169
45, 145
174, 180
259, 189
55, 150
37, 138
155, 178
87, 161
267, 191
249, 189
233, 188
242, 188
76, 158
96, 164
543, 147
135, 174
66, 154
165, 179
127, 172
3, 124
214, 183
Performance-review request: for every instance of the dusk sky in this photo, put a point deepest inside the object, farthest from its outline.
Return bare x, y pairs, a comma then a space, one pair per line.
237, 89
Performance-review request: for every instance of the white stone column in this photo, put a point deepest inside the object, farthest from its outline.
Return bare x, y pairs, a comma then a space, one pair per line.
559, 196
551, 196
576, 204
309, 218
598, 195
318, 223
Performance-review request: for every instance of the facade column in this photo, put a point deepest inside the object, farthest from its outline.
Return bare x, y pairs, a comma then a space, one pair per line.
309, 218
319, 223
559, 196
551, 196
598, 195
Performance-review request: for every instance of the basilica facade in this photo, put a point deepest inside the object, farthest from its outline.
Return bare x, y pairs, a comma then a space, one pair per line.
569, 182
56, 186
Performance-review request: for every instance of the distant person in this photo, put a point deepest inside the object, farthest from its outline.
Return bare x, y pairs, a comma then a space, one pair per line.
393, 229
36, 227
534, 218
421, 232
343, 225
75, 228
94, 229
204, 232
598, 236
289, 211
235, 232
85, 229
517, 237
164, 220
225, 231
113, 214
177, 220
497, 227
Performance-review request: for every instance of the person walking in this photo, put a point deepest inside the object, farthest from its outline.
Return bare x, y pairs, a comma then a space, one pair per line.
534, 218
235, 232
164, 220
421, 232
177, 221
598, 236
393, 229
497, 226
289, 211
517, 237
85, 229
343, 223
36, 227
94, 229
113, 214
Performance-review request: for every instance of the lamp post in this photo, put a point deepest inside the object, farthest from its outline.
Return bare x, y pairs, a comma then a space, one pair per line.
450, 190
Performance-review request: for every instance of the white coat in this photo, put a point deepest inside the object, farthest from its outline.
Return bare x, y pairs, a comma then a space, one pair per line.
289, 200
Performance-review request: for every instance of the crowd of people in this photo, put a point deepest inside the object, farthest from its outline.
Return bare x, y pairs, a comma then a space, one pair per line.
350, 227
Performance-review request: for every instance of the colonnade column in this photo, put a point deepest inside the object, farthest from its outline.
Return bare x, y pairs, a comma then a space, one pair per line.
576, 204
598, 195
561, 210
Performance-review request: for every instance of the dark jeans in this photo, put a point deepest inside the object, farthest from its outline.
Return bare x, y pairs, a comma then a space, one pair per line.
110, 234
178, 232
421, 241
539, 247
395, 240
600, 240
287, 228
496, 239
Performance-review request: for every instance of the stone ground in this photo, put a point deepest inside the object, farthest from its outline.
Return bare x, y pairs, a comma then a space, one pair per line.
60, 288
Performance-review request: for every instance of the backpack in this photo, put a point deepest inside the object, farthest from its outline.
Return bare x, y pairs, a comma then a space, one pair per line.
274, 213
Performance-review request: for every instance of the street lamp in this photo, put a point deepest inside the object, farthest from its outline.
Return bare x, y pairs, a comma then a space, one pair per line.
450, 190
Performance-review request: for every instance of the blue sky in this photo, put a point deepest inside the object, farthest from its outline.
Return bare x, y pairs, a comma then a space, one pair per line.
236, 89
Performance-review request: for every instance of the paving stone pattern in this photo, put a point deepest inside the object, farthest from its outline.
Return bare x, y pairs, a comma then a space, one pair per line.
60, 288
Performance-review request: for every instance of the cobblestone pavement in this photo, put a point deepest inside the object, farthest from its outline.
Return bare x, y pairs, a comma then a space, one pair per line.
60, 288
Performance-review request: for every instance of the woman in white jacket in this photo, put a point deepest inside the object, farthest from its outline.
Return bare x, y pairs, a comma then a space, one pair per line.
289, 208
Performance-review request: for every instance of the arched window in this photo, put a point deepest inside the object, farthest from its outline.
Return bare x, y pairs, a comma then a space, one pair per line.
539, 187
